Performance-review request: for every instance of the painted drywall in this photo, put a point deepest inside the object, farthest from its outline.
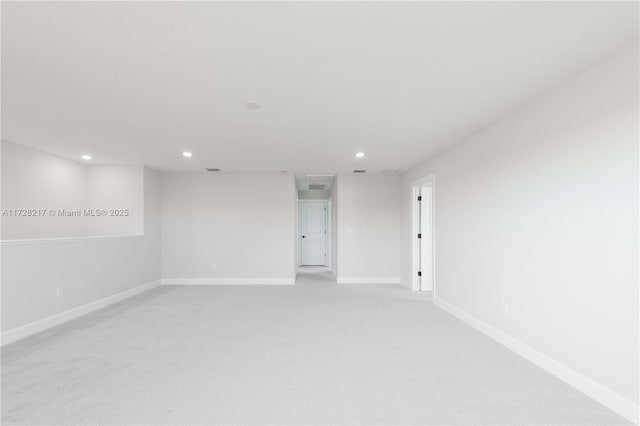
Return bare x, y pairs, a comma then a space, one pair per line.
65, 198
85, 269
33, 179
118, 190
369, 216
244, 224
539, 211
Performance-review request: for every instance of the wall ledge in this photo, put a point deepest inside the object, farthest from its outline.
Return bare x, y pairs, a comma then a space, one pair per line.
66, 239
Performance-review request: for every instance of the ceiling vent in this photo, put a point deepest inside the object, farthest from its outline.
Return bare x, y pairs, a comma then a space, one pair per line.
316, 187
390, 171
359, 171
213, 170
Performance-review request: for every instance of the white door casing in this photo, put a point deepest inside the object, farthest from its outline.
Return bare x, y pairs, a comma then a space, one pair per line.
426, 240
313, 233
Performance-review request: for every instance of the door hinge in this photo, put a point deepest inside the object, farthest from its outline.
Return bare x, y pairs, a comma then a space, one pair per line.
419, 197
419, 273
419, 235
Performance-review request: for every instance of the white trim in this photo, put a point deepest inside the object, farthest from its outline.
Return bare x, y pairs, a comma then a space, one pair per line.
328, 239
369, 280
228, 281
34, 327
416, 185
406, 283
594, 390
415, 243
67, 239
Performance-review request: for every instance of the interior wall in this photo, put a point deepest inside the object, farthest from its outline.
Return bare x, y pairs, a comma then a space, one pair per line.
33, 179
536, 223
368, 228
119, 191
85, 269
228, 226
63, 195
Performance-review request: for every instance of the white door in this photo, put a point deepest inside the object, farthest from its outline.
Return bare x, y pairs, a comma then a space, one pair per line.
426, 240
313, 233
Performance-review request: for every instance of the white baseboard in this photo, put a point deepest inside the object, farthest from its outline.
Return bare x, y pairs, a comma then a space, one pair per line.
228, 281
26, 330
368, 280
626, 408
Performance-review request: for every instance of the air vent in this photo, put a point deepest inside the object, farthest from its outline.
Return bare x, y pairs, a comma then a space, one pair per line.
390, 171
359, 171
316, 187
213, 170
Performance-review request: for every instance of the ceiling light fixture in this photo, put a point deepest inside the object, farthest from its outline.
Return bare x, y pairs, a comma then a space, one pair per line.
252, 105
187, 154
85, 157
360, 154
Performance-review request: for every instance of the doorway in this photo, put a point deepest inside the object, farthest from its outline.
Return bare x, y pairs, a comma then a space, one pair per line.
314, 233
423, 242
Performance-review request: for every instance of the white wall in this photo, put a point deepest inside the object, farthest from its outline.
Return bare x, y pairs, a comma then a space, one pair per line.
539, 211
87, 269
369, 220
115, 188
35, 180
242, 223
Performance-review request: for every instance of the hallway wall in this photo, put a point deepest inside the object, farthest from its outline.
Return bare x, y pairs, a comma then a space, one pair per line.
232, 228
368, 229
536, 225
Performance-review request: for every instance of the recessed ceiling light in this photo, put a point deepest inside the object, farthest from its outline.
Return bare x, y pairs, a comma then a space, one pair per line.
360, 154
187, 154
252, 105
85, 157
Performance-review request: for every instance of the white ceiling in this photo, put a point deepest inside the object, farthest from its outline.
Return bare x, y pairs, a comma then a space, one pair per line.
138, 83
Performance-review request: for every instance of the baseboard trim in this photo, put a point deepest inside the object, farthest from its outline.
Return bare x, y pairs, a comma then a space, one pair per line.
368, 280
594, 390
228, 281
34, 327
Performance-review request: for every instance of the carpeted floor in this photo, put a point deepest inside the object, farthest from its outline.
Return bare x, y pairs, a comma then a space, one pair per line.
314, 353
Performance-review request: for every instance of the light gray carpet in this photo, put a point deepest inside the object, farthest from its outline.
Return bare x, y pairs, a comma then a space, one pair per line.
314, 353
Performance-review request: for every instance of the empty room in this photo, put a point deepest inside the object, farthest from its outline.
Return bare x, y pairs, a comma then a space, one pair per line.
320, 213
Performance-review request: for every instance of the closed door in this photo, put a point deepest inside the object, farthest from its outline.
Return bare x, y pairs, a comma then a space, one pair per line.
313, 233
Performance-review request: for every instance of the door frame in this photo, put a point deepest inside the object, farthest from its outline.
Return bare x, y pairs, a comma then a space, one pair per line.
428, 181
327, 239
